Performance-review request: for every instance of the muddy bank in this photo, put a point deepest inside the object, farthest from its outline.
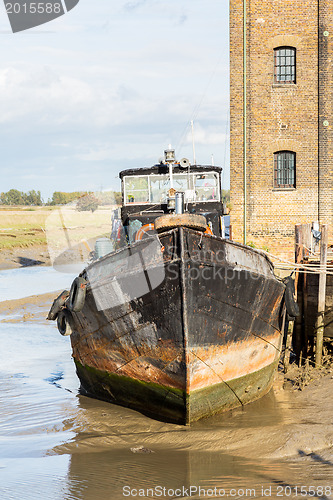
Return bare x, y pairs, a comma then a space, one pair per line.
286, 423
33, 308
282, 425
12, 258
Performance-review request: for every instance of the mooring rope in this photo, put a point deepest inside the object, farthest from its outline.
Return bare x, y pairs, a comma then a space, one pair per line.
309, 268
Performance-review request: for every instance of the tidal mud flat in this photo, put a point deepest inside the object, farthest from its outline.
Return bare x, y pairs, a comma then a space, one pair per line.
58, 444
35, 255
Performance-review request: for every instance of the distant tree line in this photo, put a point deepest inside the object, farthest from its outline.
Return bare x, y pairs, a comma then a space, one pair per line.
102, 198
226, 196
34, 198
15, 197
62, 198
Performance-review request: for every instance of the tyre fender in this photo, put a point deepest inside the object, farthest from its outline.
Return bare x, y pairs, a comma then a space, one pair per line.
77, 295
193, 221
65, 322
57, 305
289, 297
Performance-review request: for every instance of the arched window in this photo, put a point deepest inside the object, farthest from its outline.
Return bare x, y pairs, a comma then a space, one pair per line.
285, 169
285, 65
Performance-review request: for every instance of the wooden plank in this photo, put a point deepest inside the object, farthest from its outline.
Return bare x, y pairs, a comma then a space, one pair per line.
321, 294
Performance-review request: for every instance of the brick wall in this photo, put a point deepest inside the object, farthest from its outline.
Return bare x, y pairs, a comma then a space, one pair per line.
325, 48
281, 117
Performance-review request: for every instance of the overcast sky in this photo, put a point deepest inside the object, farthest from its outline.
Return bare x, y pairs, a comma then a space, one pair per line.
107, 87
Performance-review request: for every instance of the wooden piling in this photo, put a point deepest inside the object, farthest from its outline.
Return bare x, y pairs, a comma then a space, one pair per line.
321, 295
298, 244
287, 349
296, 329
307, 240
291, 324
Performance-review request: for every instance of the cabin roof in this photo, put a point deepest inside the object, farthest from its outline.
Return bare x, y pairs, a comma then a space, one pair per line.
161, 168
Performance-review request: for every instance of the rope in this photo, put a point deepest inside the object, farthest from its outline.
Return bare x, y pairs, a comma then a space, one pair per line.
300, 267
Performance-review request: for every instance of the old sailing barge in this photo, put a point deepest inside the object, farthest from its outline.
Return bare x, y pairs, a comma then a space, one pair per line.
179, 323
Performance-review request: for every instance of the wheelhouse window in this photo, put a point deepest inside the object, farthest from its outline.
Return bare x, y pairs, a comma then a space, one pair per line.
153, 188
285, 65
285, 169
136, 189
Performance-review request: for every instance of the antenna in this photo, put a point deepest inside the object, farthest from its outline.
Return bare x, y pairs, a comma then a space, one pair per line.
193, 145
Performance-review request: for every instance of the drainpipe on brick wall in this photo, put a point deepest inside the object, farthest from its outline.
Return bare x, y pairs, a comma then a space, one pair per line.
244, 122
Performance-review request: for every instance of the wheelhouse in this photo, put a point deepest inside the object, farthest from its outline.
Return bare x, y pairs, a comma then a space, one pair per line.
153, 188
146, 193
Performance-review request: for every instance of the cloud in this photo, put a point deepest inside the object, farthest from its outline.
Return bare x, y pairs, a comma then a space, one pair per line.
182, 19
206, 136
109, 89
130, 6
97, 154
42, 95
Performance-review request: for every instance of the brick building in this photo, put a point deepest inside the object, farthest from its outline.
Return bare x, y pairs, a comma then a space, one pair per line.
284, 116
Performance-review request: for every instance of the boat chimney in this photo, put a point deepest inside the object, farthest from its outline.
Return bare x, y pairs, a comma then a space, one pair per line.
179, 202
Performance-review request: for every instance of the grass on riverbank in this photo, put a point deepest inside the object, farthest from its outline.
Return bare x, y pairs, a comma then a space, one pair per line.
23, 226
60, 227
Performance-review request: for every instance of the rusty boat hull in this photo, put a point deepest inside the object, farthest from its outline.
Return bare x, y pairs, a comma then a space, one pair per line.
179, 326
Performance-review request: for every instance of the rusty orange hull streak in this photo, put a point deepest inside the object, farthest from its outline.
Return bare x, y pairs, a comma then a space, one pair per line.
204, 337
211, 366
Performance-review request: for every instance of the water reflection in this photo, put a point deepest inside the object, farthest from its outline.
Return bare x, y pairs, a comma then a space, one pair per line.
31, 479
222, 453
123, 472
181, 473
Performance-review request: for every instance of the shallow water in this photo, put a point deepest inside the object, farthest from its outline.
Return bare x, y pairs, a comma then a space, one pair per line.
22, 282
56, 444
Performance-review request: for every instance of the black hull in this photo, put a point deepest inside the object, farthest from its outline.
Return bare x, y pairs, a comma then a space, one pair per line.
179, 327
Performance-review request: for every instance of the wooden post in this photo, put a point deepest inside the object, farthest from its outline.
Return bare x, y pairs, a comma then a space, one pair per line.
286, 358
307, 240
298, 259
298, 249
321, 295
299, 253
306, 254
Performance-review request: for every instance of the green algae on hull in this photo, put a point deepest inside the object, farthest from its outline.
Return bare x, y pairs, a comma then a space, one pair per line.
164, 403
232, 394
170, 404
